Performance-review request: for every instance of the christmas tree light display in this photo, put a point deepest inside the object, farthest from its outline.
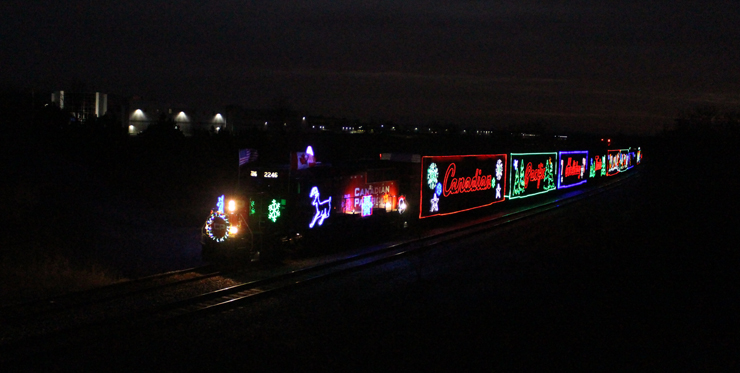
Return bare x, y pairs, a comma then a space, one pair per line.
517, 185
603, 166
592, 169
532, 174
597, 166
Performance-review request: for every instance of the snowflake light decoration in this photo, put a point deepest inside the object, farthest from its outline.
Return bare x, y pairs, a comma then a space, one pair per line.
273, 211
432, 175
499, 169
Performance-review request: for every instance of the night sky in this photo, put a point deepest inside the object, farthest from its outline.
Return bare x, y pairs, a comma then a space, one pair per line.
628, 66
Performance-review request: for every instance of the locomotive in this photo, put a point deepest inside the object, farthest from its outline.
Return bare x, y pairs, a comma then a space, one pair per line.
282, 208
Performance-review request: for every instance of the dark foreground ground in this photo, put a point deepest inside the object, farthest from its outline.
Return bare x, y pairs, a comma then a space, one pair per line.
642, 278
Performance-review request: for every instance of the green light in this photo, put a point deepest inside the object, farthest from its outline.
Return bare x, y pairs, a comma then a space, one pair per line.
592, 169
432, 176
549, 175
252, 210
274, 211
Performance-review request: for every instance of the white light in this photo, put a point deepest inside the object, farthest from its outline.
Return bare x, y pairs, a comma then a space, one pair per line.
232, 205
233, 229
309, 150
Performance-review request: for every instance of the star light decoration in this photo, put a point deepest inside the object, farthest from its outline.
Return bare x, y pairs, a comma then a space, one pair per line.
434, 201
432, 175
273, 211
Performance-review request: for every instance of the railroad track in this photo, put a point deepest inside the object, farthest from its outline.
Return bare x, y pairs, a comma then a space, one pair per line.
39, 307
247, 291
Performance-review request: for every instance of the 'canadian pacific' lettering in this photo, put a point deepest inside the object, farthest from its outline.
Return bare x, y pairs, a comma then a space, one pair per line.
452, 185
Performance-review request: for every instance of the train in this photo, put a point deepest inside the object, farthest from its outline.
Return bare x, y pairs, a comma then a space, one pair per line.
282, 208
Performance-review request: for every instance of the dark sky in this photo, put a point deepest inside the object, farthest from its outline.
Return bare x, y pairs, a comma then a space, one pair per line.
583, 65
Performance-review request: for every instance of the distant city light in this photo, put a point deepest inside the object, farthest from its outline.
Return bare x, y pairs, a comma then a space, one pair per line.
182, 117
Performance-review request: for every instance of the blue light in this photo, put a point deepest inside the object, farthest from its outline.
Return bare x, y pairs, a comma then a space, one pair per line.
323, 208
220, 204
367, 205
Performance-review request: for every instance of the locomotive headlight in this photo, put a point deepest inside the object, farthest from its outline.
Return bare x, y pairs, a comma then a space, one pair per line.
232, 205
234, 230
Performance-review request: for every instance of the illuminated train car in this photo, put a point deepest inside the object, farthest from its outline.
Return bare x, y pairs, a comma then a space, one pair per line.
282, 207
286, 206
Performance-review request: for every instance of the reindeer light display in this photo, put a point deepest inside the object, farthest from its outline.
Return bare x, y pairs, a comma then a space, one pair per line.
323, 208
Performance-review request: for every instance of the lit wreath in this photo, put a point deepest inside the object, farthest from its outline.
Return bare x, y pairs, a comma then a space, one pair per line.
216, 236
